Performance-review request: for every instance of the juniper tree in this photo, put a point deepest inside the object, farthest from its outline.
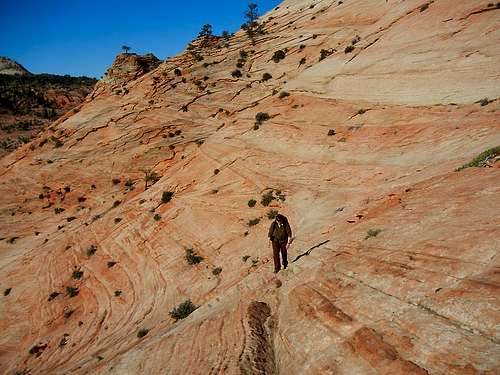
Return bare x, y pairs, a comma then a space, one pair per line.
251, 16
206, 31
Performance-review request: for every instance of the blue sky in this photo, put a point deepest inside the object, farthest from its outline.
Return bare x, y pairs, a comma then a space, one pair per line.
80, 37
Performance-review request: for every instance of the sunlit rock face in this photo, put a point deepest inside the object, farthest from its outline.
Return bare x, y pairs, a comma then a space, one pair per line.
394, 260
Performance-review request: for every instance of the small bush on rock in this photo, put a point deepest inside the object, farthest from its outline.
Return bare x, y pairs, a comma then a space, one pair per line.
183, 310
271, 214
166, 196
142, 332
266, 77
372, 233
261, 117
482, 159
192, 258
278, 56
349, 49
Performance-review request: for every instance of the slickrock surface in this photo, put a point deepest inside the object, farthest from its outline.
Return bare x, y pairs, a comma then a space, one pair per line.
420, 296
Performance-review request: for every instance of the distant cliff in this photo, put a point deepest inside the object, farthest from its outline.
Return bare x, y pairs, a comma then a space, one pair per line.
29, 102
11, 67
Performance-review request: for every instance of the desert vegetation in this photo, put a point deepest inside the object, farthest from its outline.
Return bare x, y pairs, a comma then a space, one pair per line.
183, 310
372, 233
482, 159
193, 258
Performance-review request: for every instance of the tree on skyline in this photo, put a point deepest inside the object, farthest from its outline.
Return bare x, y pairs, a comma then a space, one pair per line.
125, 49
251, 16
206, 31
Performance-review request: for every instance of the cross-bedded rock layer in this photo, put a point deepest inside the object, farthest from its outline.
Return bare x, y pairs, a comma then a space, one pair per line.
361, 156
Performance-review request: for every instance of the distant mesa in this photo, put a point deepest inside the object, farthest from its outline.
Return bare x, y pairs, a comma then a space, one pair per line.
11, 67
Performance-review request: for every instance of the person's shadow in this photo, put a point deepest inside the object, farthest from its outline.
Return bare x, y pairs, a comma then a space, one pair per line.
309, 251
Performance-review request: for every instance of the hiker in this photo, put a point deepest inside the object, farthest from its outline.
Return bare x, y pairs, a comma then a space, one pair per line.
280, 235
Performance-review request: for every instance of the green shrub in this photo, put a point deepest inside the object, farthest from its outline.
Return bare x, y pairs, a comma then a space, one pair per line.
192, 258
91, 250
267, 198
349, 49
166, 196
253, 222
72, 291
324, 53
261, 117
58, 210
245, 258
266, 77
252, 202
115, 181
372, 233
331, 132
183, 310
424, 7
302, 61
77, 274
482, 158
278, 56
361, 111
485, 101
151, 177
271, 214
157, 217
236, 73
216, 271
142, 332
280, 195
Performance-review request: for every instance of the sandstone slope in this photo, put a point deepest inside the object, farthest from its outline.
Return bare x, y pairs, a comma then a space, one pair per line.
413, 99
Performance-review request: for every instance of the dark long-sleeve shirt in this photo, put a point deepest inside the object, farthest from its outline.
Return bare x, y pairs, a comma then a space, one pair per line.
280, 233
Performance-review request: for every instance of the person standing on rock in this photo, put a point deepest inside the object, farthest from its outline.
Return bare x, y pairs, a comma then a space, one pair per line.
280, 236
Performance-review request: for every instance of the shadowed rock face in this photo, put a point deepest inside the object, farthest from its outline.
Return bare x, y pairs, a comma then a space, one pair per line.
405, 280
